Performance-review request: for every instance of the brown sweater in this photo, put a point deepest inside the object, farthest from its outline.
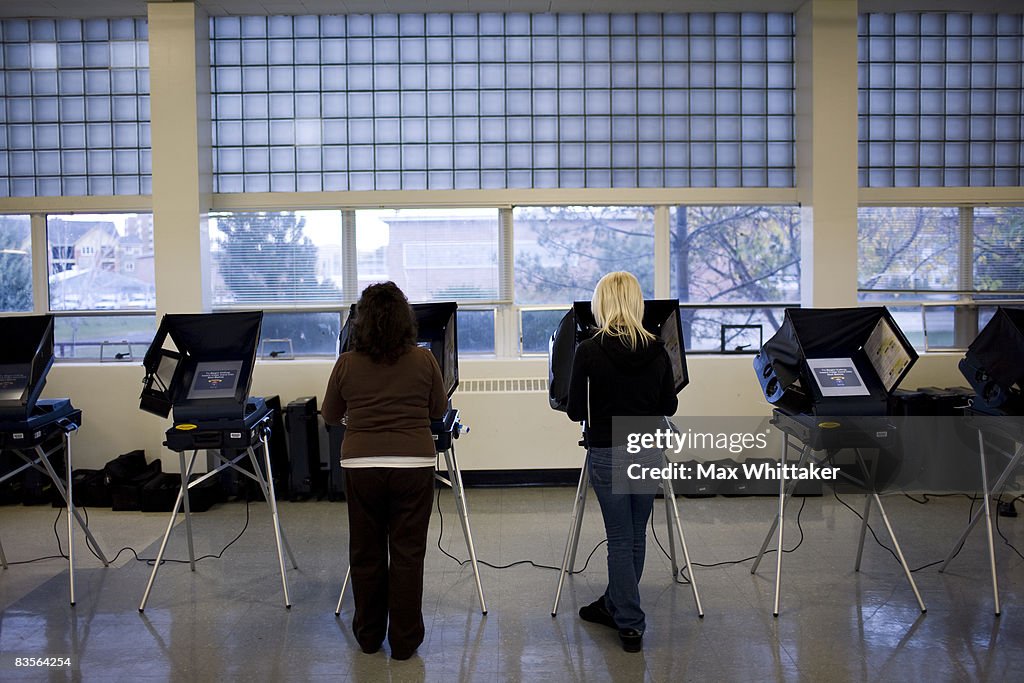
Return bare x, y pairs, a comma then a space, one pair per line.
389, 407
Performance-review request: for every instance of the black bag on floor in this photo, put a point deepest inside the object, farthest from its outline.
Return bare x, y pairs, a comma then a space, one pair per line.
129, 494
89, 489
161, 492
124, 467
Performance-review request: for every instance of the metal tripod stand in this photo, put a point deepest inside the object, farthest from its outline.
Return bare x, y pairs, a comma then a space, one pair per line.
786, 491
41, 457
266, 484
675, 531
988, 510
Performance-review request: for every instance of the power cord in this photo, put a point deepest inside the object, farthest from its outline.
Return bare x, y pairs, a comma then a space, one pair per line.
538, 565
997, 516
681, 579
799, 527
148, 560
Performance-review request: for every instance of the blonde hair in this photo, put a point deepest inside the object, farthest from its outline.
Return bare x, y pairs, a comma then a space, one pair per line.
618, 307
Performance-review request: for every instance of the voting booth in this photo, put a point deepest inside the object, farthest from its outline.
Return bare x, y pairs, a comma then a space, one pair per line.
199, 370
662, 319
994, 367
36, 429
830, 373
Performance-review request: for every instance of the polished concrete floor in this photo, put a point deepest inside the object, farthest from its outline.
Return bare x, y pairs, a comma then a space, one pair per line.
227, 622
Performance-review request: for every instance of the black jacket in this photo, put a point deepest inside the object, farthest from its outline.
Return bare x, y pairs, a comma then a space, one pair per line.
623, 382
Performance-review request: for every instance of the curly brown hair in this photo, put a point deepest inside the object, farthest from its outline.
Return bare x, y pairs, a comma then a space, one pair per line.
384, 326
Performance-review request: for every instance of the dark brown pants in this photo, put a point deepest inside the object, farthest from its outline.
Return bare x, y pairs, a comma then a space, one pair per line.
388, 515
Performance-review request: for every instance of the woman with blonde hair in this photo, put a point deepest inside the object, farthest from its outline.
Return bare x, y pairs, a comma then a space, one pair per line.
622, 371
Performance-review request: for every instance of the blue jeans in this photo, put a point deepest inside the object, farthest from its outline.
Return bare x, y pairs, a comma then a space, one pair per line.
625, 521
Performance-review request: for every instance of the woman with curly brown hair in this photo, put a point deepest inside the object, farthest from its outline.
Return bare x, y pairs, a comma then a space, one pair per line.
389, 389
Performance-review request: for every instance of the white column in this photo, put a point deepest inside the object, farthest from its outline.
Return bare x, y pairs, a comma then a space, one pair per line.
179, 71
826, 133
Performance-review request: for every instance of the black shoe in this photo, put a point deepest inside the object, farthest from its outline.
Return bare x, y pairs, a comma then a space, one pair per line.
597, 613
632, 640
369, 649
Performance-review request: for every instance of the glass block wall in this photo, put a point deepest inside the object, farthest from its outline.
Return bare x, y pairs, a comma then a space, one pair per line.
443, 101
75, 114
941, 100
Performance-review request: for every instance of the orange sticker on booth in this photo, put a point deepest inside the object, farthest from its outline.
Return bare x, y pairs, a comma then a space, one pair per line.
185, 427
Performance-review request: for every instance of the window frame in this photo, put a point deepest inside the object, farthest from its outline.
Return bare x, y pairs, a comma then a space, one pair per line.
969, 300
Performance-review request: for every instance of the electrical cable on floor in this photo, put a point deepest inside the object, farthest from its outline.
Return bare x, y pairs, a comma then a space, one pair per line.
925, 496
538, 565
148, 560
999, 502
685, 579
799, 527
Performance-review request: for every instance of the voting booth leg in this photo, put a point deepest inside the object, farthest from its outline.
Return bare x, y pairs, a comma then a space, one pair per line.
988, 521
73, 514
455, 481
185, 476
675, 528
785, 491
3, 557
182, 493
269, 494
867, 512
268, 491
575, 523
986, 510
344, 586
892, 535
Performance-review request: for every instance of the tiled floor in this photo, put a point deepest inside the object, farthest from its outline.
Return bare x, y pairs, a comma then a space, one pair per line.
227, 622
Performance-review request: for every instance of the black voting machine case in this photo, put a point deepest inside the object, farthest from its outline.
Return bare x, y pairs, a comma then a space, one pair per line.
26, 355
436, 330
993, 364
834, 363
661, 318
200, 366
865, 340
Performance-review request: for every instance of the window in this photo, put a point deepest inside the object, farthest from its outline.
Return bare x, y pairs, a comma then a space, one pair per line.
561, 253
101, 262
276, 258
476, 330
935, 267
482, 101
75, 117
940, 99
733, 256
103, 337
15, 264
431, 254
307, 333
999, 250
